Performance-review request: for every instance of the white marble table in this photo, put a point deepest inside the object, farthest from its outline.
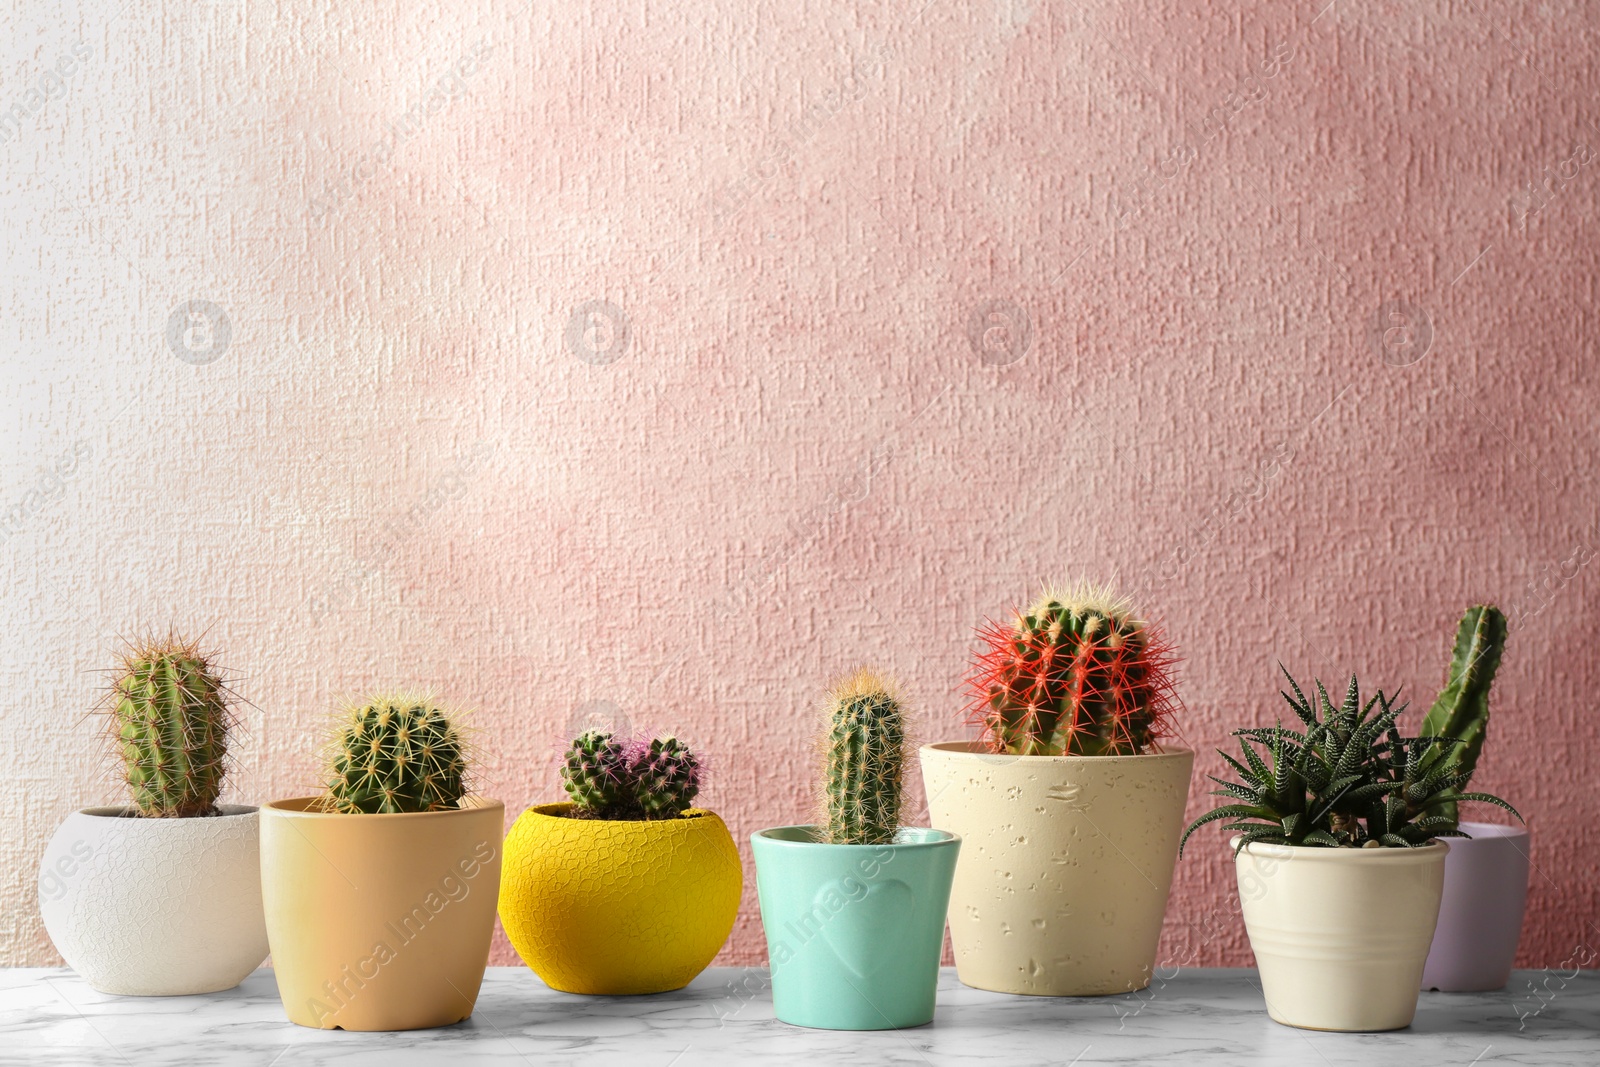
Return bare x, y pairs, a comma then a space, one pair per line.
1196, 1017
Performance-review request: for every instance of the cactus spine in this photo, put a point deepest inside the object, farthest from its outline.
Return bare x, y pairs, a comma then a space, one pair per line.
608, 778
865, 750
1461, 710
171, 714
396, 754
1075, 675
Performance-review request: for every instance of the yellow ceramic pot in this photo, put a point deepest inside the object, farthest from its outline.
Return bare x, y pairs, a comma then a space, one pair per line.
618, 907
379, 922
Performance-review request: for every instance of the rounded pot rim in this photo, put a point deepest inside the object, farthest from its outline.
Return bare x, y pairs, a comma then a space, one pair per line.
935, 839
554, 809
126, 812
976, 750
298, 808
1489, 831
1420, 854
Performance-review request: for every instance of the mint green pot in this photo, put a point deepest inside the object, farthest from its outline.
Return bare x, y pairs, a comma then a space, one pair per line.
854, 932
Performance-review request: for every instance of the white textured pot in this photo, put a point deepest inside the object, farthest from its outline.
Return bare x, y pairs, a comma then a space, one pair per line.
156, 907
1340, 934
1065, 864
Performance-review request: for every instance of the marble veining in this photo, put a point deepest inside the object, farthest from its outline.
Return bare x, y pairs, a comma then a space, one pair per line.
1196, 1017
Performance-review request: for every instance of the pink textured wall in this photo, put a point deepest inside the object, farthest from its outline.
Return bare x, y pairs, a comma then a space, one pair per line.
1281, 313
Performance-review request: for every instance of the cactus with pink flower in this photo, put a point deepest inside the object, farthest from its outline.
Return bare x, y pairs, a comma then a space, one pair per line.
609, 777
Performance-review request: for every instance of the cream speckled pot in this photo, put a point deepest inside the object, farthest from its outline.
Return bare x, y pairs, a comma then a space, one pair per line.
156, 907
1341, 934
1065, 864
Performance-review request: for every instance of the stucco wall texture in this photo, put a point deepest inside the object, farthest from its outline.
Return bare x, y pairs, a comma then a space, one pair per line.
659, 361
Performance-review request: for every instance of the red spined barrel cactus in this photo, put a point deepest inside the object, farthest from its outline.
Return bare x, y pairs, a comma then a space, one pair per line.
1075, 675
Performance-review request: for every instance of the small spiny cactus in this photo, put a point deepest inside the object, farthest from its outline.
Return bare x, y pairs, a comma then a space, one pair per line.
170, 715
608, 778
397, 754
1075, 675
595, 772
666, 777
865, 750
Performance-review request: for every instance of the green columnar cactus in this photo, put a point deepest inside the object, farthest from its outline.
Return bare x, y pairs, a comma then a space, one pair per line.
666, 778
171, 715
595, 772
1461, 710
397, 754
1075, 675
865, 748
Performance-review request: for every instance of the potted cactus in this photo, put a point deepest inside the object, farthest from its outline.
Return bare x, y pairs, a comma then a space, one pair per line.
1486, 872
854, 905
626, 888
161, 897
1338, 857
1070, 804
380, 892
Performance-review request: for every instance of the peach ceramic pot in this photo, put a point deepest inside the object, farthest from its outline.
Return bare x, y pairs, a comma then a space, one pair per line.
1065, 864
1340, 934
380, 922
616, 907
155, 907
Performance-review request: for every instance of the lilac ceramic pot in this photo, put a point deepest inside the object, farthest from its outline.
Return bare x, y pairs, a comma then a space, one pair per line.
1480, 917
